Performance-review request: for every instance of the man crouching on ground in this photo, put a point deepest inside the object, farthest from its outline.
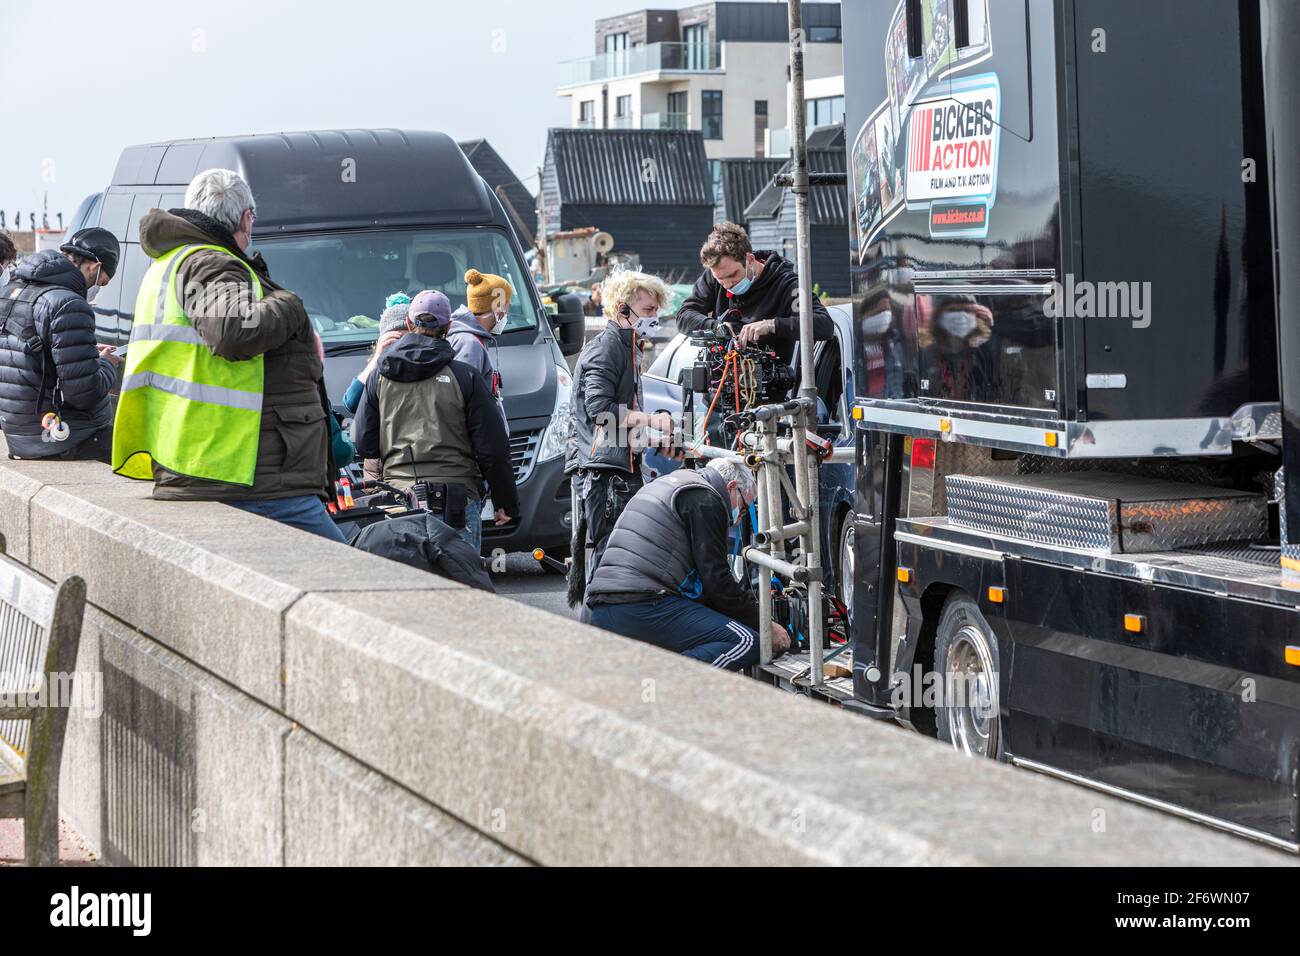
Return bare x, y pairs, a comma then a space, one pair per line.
664, 578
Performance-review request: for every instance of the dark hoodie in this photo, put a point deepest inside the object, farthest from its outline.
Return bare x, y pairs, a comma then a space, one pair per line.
293, 445
66, 326
773, 295
433, 418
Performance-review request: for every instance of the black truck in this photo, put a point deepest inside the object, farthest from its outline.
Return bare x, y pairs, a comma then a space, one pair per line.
1077, 246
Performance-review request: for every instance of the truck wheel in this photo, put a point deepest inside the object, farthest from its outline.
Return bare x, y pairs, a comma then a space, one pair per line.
967, 714
844, 566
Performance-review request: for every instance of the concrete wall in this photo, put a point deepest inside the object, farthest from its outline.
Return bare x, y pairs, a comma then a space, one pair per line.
271, 698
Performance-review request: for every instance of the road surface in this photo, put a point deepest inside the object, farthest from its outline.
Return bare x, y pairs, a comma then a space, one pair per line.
524, 580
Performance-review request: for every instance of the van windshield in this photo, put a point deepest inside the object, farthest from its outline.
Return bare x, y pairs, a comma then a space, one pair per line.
343, 278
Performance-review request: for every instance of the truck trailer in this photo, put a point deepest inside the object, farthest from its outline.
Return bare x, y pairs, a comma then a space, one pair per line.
1076, 256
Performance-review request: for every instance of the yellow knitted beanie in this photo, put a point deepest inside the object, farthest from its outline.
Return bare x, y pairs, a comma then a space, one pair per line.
486, 292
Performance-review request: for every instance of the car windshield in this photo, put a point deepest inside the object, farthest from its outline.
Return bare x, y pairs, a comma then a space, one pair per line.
343, 278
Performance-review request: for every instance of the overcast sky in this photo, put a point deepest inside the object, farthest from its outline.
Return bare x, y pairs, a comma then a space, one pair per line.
81, 79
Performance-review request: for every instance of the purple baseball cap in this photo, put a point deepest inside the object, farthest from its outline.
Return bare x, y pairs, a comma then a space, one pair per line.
430, 309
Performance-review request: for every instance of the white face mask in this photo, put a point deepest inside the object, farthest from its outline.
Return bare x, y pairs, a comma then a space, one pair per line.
958, 324
877, 324
647, 324
502, 321
93, 291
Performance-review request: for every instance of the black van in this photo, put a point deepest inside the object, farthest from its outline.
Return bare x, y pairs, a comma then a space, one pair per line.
344, 217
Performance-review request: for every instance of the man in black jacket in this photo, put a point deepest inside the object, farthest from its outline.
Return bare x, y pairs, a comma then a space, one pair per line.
54, 379
433, 419
609, 424
761, 287
665, 578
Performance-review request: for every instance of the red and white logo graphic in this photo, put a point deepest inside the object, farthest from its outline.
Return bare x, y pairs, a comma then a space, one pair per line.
952, 145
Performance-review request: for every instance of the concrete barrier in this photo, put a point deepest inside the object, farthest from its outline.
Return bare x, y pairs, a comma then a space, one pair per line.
273, 698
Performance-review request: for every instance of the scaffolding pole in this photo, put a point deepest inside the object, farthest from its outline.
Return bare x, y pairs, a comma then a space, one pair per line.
806, 466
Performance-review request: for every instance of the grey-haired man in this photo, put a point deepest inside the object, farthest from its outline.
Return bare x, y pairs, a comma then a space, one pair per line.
665, 579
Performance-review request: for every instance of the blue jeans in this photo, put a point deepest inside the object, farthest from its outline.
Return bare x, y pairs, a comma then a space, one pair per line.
306, 512
682, 625
473, 530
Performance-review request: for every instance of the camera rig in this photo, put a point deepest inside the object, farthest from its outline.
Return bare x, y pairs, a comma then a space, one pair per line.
732, 378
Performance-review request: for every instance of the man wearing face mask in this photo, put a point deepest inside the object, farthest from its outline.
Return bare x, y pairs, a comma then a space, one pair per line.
475, 325
761, 286
54, 379
665, 578
609, 423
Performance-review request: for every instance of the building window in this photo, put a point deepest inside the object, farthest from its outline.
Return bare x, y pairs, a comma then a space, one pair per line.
824, 34
678, 110
711, 113
760, 127
913, 16
623, 112
696, 42
587, 114
824, 111
616, 54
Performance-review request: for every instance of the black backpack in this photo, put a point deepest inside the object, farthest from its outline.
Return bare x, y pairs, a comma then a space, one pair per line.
424, 542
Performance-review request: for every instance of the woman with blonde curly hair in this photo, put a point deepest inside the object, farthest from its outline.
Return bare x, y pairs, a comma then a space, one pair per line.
609, 421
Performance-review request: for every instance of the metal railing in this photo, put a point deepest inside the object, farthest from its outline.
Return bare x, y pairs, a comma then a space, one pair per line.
649, 58
665, 121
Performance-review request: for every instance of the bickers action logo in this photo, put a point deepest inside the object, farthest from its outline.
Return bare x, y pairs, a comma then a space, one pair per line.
952, 156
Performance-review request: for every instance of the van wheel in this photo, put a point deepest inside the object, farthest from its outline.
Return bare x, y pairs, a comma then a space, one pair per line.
967, 713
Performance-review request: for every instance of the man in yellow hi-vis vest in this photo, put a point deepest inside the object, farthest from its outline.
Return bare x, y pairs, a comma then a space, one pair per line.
221, 396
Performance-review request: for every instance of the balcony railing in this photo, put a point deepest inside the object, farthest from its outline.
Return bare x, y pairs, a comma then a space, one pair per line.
621, 122
664, 121
650, 58
778, 143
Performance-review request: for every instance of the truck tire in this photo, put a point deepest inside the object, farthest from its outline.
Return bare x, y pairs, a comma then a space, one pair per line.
967, 713
844, 564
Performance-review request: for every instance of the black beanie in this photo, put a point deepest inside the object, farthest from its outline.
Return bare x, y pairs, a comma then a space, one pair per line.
95, 243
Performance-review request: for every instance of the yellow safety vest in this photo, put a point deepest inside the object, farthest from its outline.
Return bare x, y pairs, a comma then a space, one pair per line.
190, 411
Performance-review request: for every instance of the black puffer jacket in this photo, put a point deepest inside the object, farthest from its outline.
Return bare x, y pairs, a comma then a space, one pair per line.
66, 326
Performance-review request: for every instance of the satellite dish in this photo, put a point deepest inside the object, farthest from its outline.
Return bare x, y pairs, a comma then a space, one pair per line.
602, 242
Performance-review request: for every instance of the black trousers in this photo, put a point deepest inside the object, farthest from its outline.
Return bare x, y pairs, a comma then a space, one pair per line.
98, 447
608, 493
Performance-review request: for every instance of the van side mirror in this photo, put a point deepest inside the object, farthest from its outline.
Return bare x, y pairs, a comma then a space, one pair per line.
570, 323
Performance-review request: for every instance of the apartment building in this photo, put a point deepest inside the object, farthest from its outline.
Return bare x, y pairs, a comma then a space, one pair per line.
721, 68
